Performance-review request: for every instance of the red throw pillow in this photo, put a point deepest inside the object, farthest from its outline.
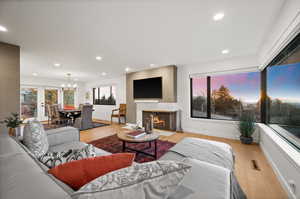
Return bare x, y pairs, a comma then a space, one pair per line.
79, 172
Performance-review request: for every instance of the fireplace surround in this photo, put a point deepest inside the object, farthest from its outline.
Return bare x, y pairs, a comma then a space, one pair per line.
162, 119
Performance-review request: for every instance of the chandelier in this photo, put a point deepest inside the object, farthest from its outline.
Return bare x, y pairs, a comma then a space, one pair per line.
69, 84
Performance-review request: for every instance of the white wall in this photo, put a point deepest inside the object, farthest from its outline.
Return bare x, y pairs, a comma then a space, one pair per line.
46, 82
284, 159
103, 112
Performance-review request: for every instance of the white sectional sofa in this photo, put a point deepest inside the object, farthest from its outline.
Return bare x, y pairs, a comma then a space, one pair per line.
23, 176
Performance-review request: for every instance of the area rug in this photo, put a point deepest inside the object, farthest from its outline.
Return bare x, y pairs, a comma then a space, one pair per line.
113, 145
52, 126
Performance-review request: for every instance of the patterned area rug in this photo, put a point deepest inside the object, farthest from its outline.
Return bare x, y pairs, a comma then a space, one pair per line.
113, 145
52, 126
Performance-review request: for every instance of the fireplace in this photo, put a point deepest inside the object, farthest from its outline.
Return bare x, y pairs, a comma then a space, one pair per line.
162, 119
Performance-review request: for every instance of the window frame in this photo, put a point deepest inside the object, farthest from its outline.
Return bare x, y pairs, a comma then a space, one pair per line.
208, 100
99, 95
264, 102
279, 58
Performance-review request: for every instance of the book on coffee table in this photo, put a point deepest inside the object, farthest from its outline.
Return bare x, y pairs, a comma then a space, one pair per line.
136, 134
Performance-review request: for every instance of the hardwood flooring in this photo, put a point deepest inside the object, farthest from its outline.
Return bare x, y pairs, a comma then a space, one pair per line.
257, 183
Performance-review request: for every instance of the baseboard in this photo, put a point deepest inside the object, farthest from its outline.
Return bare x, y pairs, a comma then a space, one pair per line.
191, 130
281, 179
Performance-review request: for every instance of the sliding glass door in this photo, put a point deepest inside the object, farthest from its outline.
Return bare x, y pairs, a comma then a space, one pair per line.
29, 102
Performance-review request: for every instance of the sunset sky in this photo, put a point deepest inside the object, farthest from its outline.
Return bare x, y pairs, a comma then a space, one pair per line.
283, 82
244, 86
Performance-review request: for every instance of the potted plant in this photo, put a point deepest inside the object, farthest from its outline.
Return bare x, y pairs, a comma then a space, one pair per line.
246, 127
12, 123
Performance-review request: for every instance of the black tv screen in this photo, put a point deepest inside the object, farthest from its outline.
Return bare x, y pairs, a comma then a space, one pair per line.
147, 88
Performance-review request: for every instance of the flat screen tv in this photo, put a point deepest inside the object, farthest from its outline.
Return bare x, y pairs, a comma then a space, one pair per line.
147, 88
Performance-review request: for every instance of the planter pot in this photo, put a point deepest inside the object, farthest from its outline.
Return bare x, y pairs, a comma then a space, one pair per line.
246, 140
12, 132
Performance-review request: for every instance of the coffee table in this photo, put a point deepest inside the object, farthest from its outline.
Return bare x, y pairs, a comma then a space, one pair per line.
148, 138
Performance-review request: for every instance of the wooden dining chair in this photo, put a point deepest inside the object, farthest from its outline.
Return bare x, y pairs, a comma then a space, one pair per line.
56, 117
49, 113
119, 113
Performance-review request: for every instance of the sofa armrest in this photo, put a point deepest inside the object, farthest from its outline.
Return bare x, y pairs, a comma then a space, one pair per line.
62, 135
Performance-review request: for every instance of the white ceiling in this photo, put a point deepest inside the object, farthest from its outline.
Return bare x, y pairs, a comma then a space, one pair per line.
131, 33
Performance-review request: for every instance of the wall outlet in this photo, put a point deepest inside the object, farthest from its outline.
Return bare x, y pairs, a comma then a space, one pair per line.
292, 186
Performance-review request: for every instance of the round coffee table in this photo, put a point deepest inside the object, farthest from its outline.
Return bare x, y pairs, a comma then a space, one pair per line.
153, 137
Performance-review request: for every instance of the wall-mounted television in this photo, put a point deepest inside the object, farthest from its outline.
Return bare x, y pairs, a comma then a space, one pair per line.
147, 88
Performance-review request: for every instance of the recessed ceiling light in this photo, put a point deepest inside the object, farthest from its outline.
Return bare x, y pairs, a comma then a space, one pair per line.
103, 73
127, 69
218, 16
152, 65
225, 51
99, 58
57, 65
3, 29
34, 74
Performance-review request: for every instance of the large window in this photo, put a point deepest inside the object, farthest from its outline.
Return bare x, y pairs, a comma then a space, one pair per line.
283, 93
225, 97
69, 98
104, 95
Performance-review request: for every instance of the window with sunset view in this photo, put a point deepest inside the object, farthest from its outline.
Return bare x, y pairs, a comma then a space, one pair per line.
229, 95
283, 93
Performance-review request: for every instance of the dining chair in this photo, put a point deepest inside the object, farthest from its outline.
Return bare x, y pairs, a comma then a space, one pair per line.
57, 118
85, 121
49, 113
119, 113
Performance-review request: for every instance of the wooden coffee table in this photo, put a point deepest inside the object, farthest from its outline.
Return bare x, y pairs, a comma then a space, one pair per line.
143, 139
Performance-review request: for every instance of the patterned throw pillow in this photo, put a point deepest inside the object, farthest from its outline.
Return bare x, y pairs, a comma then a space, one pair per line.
52, 159
155, 180
35, 138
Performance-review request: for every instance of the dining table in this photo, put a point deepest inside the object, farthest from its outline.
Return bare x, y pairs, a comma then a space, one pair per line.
71, 114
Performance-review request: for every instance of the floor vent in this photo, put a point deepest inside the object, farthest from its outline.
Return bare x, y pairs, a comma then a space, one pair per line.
255, 165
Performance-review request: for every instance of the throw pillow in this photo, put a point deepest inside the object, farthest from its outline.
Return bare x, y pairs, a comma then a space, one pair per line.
79, 172
155, 180
35, 138
52, 159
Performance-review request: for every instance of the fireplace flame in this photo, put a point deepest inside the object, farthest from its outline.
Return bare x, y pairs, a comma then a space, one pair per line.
156, 120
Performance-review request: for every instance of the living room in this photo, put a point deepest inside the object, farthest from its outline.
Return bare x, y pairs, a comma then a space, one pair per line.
206, 92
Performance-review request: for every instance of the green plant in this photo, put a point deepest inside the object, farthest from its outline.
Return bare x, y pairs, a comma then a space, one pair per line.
13, 121
246, 124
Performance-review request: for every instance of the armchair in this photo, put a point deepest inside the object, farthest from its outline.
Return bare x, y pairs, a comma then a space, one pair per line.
119, 112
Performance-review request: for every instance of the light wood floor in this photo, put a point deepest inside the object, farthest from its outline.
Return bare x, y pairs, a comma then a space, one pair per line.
257, 184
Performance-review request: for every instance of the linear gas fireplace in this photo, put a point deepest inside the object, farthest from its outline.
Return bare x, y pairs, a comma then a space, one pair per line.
162, 119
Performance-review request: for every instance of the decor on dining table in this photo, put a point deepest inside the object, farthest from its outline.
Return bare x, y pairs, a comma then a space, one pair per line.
13, 123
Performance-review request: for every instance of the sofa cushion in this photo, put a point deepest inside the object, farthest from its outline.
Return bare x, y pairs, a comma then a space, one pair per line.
204, 181
22, 178
213, 152
52, 159
155, 180
75, 145
79, 172
35, 138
